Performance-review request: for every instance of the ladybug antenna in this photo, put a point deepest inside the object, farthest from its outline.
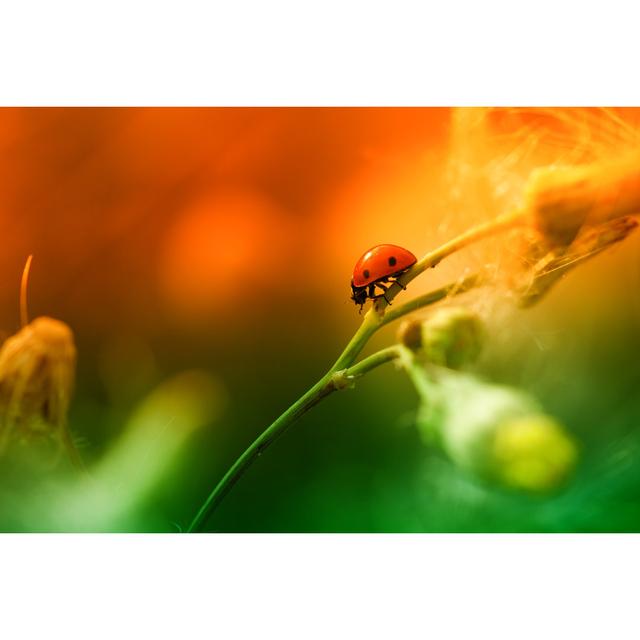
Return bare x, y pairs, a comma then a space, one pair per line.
24, 313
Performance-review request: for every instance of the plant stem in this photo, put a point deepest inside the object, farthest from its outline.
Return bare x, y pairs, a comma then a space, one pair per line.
431, 259
340, 372
339, 376
24, 283
325, 386
321, 389
454, 289
374, 321
370, 362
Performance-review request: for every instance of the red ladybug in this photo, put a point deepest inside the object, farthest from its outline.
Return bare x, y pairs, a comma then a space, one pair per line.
382, 263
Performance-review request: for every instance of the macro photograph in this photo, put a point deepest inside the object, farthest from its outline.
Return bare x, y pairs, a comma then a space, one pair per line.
320, 320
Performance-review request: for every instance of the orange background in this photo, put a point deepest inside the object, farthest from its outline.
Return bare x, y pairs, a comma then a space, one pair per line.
225, 238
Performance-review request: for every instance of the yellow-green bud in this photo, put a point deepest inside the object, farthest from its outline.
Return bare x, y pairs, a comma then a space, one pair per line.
451, 337
410, 334
533, 453
493, 431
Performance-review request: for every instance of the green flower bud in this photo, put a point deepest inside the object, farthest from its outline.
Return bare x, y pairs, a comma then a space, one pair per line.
451, 337
410, 334
493, 431
533, 453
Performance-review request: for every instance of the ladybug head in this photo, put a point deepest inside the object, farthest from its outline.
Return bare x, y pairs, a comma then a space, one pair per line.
358, 295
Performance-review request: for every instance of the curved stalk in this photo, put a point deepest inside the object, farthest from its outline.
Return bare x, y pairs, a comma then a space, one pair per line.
340, 374
329, 383
24, 283
321, 389
454, 289
367, 364
497, 225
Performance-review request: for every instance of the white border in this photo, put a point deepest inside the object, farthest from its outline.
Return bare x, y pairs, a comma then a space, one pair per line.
322, 53
494, 52
307, 586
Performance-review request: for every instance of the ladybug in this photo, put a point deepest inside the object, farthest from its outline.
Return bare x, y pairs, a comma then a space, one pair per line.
382, 263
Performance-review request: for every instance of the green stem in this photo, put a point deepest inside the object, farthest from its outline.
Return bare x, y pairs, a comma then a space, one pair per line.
321, 389
339, 376
329, 383
367, 364
395, 312
433, 258
370, 324
374, 319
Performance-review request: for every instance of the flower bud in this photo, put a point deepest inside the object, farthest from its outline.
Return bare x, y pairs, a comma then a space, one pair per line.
533, 453
495, 432
451, 337
410, 334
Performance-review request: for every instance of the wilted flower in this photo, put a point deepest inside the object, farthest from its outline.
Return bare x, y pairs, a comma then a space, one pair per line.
37, 371
496, 432
542, 268
575, 213
565, 200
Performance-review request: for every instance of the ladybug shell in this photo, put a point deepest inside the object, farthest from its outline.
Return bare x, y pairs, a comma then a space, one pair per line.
380, 262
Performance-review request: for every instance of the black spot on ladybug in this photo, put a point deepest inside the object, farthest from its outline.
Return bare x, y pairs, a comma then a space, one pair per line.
392, 261
365, 273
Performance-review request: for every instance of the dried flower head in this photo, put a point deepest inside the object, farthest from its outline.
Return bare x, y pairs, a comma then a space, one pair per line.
575, 213
37, 370
542, 267
565, 200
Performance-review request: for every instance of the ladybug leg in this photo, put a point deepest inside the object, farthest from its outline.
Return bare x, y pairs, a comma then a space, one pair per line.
382, 295
395, 281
